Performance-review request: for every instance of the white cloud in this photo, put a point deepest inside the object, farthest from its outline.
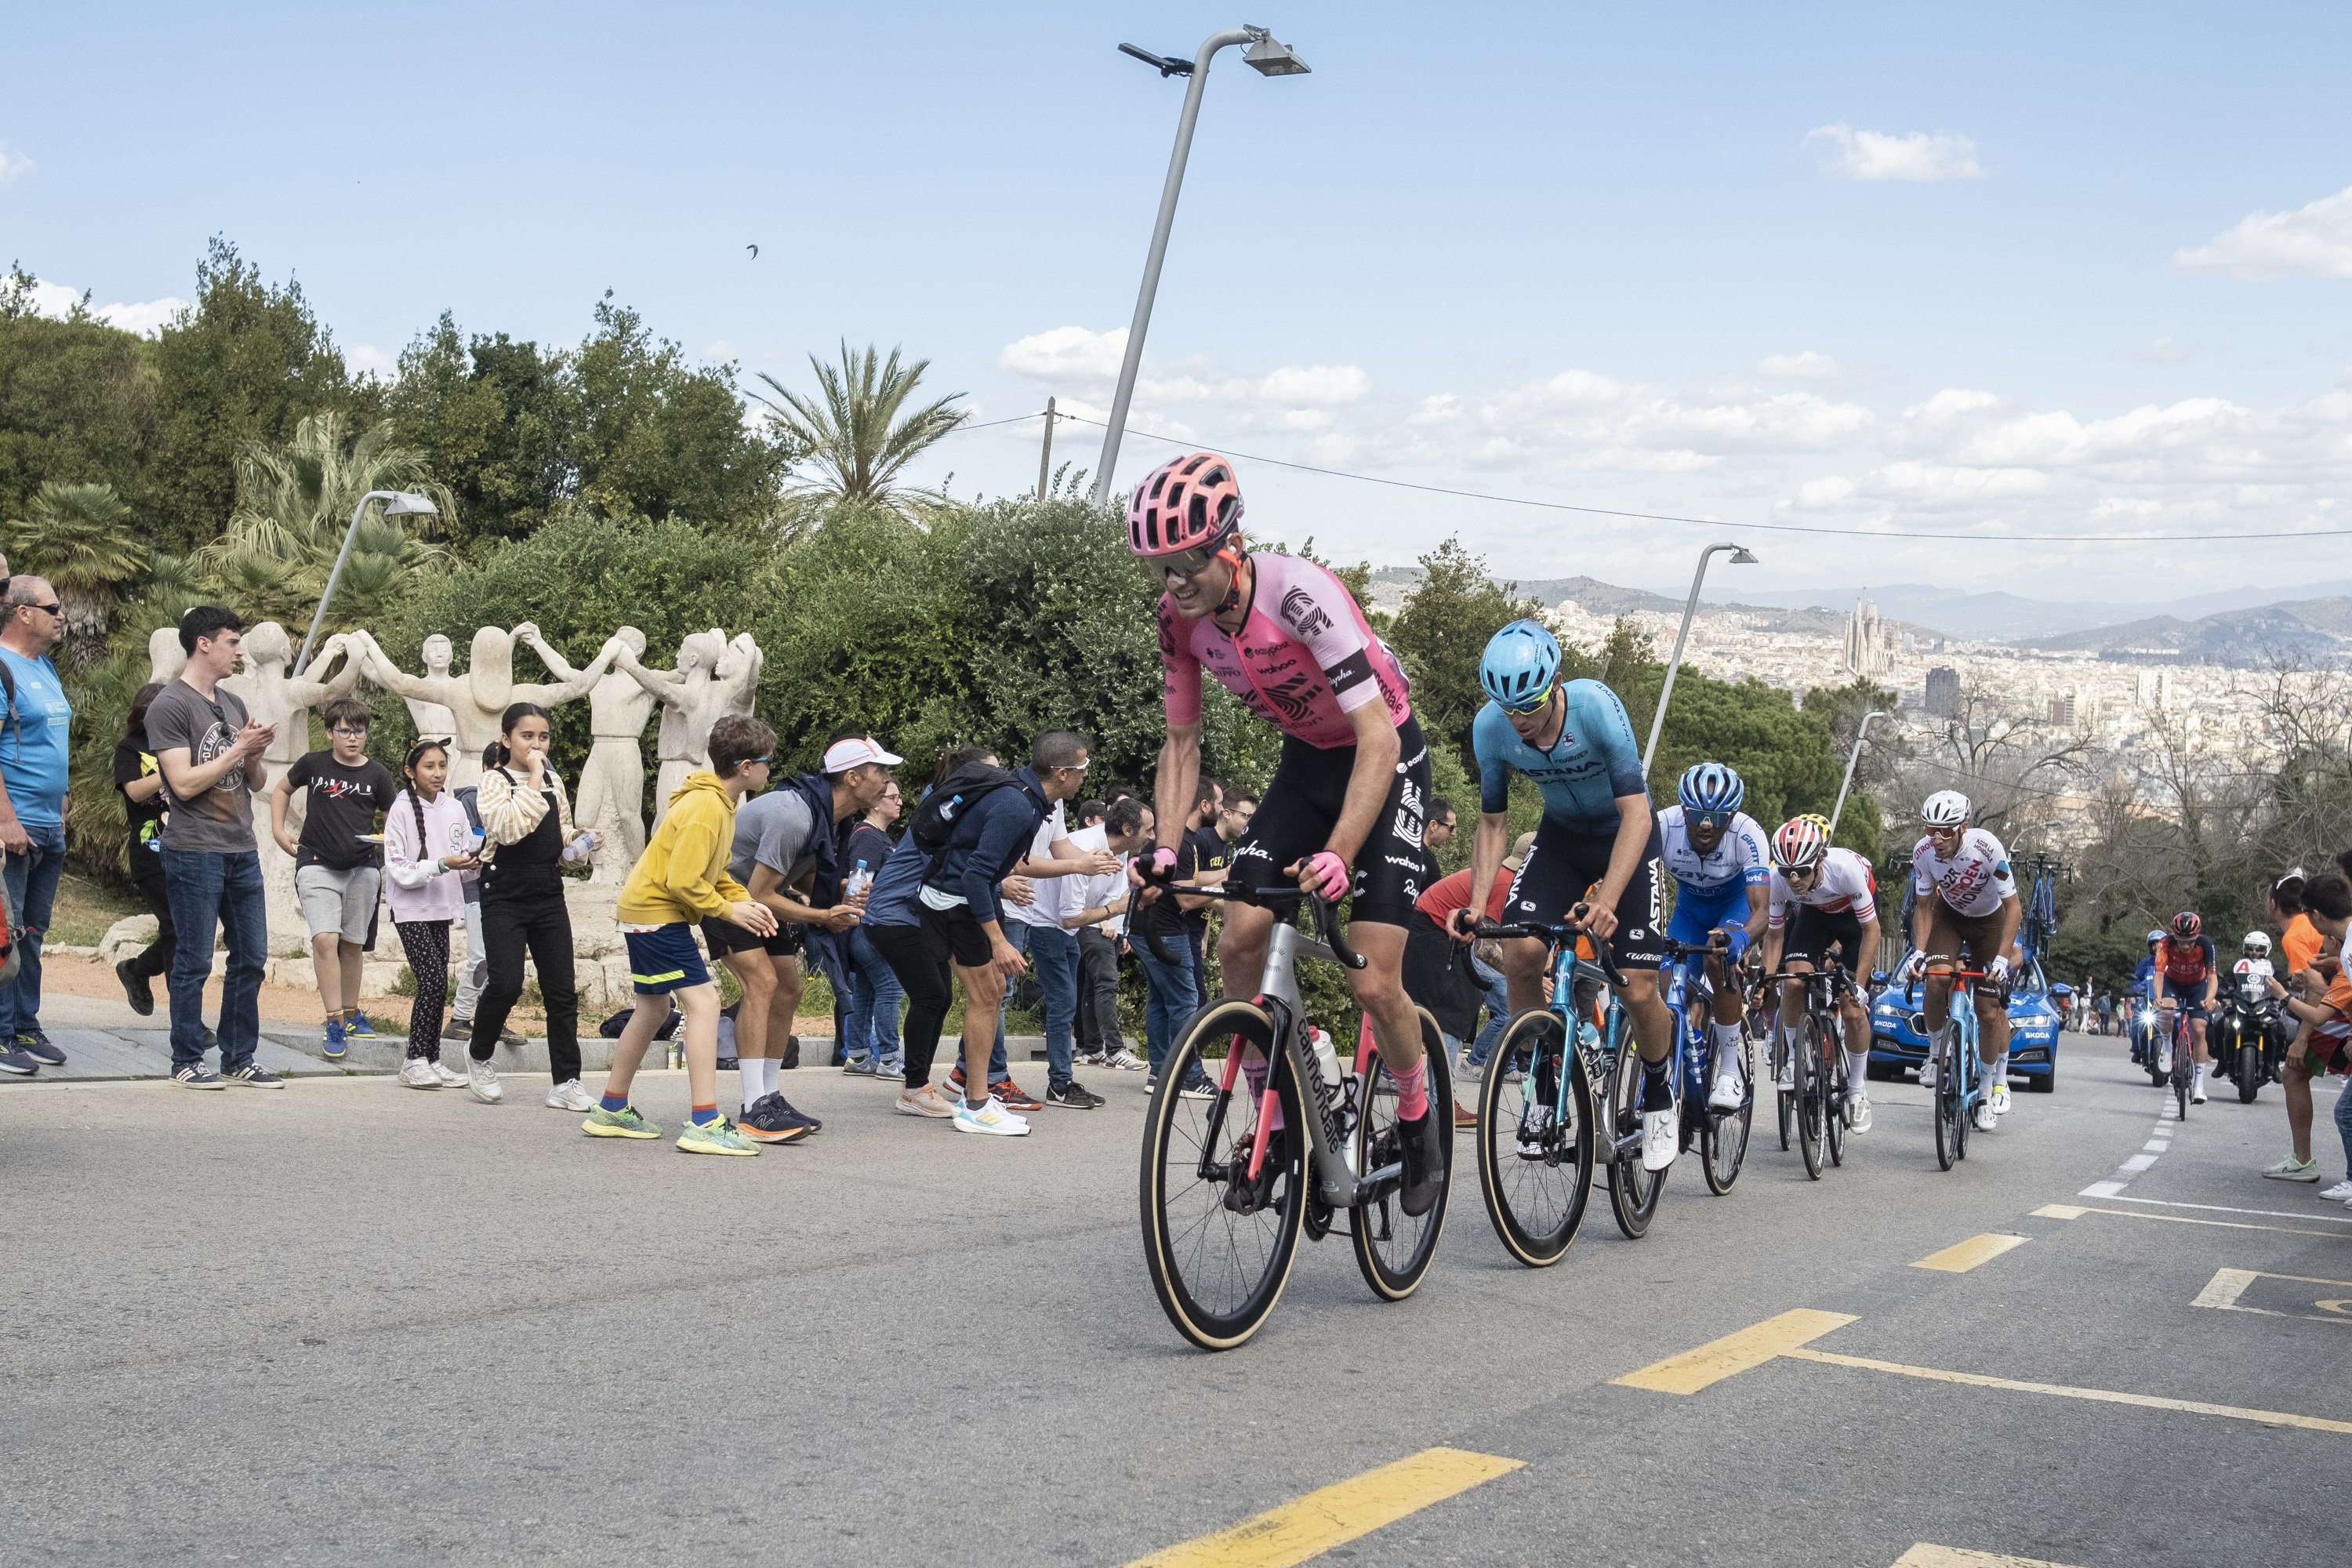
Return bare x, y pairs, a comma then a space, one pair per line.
1922, 156
151, 316
369, 360
1076, 353
1314, 384
14, 163
2313, 241
1805, 366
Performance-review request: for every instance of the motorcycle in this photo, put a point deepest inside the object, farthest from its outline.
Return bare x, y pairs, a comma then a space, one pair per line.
2244, 1034
2146, 1027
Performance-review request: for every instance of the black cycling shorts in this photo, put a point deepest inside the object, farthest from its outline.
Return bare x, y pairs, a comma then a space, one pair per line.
1563, 864
1301, 807
1814, 934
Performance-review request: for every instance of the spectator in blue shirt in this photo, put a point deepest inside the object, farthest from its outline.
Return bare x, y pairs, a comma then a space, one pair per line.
33, 729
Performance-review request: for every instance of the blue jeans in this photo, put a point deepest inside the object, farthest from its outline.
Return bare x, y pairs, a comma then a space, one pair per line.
33, 894
1054, 960
205, 890
1174, 993
1497, 992
869, 1017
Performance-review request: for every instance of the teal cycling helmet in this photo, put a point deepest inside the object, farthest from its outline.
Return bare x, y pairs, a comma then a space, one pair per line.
1519, 664
1710, 787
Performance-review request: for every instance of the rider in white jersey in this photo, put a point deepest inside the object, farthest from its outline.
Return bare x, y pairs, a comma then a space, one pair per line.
1824, 901
1966, 898
1716, 854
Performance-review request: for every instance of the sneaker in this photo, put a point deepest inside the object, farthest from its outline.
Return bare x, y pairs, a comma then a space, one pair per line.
1427, 1142
1197, 1087
482, 1082
569, 1095
717, 1137
1727, 1092
197, 1077
23, 1063
1014, 1097
252, 1076
331, 1047
2293, 1170
890, 1069
771, 1120
624, 1123
447, 1076
1245, 1197
1463, 1116
860, 1066
1987, 1119
2001, 1100
991, 1119
1152, 1084
2340, 1193
137, 988
1090, 1060
38, 1048
357, 1026
1470, 1071
923, 1101
458, 1029
1125, 1060
1532, 1127
1073, 1096
1857, 1112
1660, 1138
418, 1073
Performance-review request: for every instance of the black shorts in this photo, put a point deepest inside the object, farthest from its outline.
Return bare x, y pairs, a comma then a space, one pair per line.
1814, 934
1563, 864
723, 936
1301, 807
956, 934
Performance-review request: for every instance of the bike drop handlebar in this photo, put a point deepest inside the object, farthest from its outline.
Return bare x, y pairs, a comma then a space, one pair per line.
1558, 935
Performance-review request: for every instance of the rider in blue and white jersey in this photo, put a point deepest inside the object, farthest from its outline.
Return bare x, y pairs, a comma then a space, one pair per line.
1722, 871
1574, 740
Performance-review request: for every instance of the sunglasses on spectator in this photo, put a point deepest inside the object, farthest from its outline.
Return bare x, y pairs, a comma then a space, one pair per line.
46, 609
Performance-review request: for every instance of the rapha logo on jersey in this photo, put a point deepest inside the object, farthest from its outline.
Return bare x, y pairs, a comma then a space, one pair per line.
1411, 891
1299, 608
1249, 850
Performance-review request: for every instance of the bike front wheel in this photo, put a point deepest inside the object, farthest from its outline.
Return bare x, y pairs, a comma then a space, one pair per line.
1812, 1123
1219, 1267
1535, 1139
1724, 1137
1633, 1192
1836, 1079
1951, 1103
1394, 1248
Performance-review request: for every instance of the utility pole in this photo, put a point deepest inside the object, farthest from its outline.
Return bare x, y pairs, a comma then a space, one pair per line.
1046, 458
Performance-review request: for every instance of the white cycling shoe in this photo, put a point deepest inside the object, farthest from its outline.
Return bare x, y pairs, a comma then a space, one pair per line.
1857, 1112
1727, 1092
1987, 1117
1660, 1138
1999, 1099
1927, 1073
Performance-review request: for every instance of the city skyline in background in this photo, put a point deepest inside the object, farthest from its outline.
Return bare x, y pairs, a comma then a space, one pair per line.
2003, 275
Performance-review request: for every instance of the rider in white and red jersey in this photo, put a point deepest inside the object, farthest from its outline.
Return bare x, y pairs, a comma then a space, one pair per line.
1965, 899
1343, 815
1824, 901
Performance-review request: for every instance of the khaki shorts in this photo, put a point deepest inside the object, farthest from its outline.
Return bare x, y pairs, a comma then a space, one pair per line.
342, 901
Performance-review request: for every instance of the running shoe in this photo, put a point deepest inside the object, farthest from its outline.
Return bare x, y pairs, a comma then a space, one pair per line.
482, 1082
331, 1047
448, 1077
1533, 1126
22, 1063
624, 1123
252, 1076
1090, 1060
715, 1137
860, 1066
890, 1069
1014, 1097
991, 1119
198, 1076
418, 1073
924, 1101
1857, 1112
570, 1096
1426, 1143
357, 1026
771, 1119
1987, 1118
1727, 1092
1197, 1087
40, 1050
2340, 1193
1125, 1060
2293, 1170
1470, 1071
1072, 1096
137, 988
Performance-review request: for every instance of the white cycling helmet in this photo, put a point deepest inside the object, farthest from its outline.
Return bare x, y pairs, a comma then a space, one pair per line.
1944, 808
2257, 945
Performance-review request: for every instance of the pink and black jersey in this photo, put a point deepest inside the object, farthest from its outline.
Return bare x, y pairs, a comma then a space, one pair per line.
1304, 660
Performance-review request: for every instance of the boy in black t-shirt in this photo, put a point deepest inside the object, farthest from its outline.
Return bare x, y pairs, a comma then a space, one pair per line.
337, 866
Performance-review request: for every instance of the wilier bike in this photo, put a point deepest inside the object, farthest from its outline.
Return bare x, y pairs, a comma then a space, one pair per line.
1813, 1106
1561, 1098
1959, 1072
1225, 1196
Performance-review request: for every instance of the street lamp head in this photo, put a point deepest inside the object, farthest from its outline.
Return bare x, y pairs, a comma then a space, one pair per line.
1267, 56
1742, 556
1166, 65
406, 502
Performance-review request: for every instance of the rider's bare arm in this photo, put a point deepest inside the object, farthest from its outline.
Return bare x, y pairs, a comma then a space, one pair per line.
1759, 910
1368, 784
1178, 778
1487, 849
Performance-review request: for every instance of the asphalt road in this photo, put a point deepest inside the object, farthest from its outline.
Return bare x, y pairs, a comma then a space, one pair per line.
354, 1323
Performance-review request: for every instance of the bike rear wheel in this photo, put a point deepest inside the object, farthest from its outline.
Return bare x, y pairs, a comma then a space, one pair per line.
1812, 1129
1632, 1192
1785, 1099
1535, 1204
1394, 1248
1217, 1273
1724, 1136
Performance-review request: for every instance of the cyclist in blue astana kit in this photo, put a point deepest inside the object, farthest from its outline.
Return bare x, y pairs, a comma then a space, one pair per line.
1722, 871
1574, 740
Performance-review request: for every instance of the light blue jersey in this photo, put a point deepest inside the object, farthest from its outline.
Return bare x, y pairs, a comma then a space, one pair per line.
1593, 763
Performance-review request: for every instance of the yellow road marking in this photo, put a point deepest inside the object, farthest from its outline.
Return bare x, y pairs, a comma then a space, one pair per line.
1961, 1256
1311, 1525
2221, 1293
1718, 1359
1926, 1556
2076, 1210
2100, 1396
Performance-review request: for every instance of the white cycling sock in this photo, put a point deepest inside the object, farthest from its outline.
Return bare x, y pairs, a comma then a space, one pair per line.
1726, 1047
1857, 1069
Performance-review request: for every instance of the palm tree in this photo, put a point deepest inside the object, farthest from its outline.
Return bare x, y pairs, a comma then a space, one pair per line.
855, 437
294, 503
80, 538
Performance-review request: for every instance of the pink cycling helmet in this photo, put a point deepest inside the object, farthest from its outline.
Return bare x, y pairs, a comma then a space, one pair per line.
1189, 502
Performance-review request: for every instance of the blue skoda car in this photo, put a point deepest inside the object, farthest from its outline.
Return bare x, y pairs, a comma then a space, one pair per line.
1899, 1036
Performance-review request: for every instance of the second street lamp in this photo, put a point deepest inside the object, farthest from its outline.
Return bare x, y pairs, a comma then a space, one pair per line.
1740, 557
1859, 736
396, 503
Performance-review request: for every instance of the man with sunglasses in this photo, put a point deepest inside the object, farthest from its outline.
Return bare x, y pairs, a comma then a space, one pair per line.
1966, 899
34, 730
1344, 812
1598, 843
1716, 854
1824, 901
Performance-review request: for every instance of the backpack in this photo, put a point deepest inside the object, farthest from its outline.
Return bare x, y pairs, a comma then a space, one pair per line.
945, 806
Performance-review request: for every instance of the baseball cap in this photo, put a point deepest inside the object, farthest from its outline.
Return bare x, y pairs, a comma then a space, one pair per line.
855, 752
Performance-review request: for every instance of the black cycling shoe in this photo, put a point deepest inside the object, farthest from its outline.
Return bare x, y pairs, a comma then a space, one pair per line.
1425, 1146
1245, 1197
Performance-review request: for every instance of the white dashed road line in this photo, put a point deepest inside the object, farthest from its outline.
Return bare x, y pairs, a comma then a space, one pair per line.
2159, 1140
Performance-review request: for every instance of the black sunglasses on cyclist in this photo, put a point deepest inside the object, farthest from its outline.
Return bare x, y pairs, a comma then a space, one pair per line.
1190, 563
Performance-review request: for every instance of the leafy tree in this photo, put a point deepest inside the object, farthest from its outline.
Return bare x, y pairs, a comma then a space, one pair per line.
489, 417
80, 538
858, 434
77, 401
1443, 631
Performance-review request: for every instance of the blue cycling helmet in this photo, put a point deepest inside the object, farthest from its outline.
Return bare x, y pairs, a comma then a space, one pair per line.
1711, 786
1519, 664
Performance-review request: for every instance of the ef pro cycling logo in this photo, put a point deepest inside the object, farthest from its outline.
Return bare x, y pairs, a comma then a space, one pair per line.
1299, 608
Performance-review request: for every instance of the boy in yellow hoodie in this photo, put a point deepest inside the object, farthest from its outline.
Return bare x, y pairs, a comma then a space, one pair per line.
681, 879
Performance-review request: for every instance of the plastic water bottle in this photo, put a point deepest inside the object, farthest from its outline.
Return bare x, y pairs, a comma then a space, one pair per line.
859, 880
1326, 1061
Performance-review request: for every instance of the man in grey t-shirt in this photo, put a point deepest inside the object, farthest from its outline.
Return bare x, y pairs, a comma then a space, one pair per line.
209, 753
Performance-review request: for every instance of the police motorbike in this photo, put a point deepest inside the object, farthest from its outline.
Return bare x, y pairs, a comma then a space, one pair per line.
2244, 1033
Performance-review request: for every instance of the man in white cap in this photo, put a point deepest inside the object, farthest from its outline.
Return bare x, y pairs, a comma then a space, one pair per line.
786, 853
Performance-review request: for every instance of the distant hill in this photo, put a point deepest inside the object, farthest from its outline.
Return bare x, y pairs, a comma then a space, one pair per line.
2037, 623
2297, 629
1391, 584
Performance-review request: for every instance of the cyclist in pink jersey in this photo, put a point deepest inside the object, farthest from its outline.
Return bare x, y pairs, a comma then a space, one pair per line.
1343, 815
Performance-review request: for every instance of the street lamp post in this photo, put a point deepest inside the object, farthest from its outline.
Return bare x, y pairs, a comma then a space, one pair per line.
396, 503
1859, 735
1268, 58
1740, 557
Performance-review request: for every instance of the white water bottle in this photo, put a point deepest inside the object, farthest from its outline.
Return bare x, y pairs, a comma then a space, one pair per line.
1326, 1061
859, 880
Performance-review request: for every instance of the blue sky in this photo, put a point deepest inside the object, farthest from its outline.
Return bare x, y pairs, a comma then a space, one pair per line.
1992, 269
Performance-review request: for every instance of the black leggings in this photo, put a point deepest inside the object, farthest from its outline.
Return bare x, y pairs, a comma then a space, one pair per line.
919, 960
426, 942
530, 917
157, 959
